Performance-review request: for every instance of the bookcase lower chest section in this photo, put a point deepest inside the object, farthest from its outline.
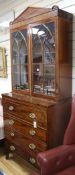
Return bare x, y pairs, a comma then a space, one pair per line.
25, 130
32, 128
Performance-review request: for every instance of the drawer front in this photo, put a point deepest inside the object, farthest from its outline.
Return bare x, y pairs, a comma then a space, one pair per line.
30, 157
28, 113
12, 125
33, 146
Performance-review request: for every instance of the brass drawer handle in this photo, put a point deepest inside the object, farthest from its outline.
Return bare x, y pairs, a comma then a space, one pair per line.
32, 160
11, 108
11, 122
32, 146
10, 155
12, 148
32, 115
32, 132
12, 134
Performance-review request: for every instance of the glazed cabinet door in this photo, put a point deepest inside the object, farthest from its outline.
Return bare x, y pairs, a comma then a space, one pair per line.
20, 60
44, 58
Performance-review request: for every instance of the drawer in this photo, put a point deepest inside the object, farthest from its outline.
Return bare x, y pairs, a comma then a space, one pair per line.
30, 157
27, 112
11, 124
33, 146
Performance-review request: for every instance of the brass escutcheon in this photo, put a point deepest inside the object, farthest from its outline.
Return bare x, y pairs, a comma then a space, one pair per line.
11, 122
11, 108
32, 115
32, 146
12, 148
32, 160
12, 134
32, 132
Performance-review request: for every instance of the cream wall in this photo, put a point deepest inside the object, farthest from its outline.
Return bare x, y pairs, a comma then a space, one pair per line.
5, 83
11, 9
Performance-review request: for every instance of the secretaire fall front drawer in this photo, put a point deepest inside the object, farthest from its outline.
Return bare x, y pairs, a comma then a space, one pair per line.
12, 124
28, 113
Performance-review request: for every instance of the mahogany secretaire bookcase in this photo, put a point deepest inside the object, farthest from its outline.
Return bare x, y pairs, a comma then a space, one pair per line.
37, 110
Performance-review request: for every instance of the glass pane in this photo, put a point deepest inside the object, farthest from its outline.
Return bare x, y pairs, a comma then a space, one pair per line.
49, 43
49, 57
20, 57
15, 53
16, 79
49, 79
37, 47
23, 48
38, 77
43, 43
24, 76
